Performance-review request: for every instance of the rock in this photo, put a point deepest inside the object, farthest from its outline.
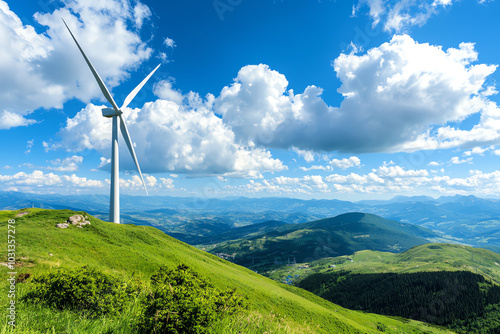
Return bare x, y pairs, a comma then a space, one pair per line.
77, 220
74, 219
20, 214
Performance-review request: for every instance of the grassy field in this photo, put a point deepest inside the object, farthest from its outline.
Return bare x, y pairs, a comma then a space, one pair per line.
132, 253
428, 257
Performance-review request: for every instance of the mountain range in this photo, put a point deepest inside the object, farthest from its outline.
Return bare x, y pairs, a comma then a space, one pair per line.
466, 219
275, 243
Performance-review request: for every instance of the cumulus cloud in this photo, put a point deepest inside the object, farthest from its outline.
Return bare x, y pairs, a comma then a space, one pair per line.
396, 97
478, 150
306, 154
384, 179
46, 69
169, 42
164, 90
70, 164
345, 163
458, 161
396, 179
171, 137
38, 181
393, 95
400, 15
308, 184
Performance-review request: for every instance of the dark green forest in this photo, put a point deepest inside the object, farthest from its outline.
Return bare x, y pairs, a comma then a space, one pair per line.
462, 301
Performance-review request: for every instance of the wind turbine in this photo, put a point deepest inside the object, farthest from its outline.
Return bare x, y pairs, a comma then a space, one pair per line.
116, 114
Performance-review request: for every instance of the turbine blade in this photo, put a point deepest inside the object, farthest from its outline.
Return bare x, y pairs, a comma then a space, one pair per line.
136, 90
126, 136
103, 87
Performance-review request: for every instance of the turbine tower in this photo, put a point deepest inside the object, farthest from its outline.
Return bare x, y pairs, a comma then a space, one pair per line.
116, 114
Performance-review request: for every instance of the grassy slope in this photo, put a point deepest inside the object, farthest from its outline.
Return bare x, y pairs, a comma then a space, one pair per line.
126, 250
428, 257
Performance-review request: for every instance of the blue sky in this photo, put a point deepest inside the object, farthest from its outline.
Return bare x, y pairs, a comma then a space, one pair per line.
361, 99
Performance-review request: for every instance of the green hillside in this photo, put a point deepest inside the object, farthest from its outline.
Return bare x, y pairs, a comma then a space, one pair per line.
133, 253
340, 235
432, 282
428, 257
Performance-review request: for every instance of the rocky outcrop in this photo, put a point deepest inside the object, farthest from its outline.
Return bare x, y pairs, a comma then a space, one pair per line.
78, 220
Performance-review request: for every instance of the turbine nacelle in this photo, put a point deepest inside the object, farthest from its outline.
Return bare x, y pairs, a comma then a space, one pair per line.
110, 112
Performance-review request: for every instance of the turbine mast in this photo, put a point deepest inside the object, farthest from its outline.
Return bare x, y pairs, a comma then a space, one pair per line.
114, 205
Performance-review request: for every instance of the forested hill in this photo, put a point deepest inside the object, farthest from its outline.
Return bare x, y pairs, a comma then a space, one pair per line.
460, 300
340, 235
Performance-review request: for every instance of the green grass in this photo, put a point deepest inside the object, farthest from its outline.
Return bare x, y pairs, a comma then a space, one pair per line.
133, 253
428, 257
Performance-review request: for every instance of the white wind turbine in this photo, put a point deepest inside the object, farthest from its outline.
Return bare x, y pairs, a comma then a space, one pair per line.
116, 114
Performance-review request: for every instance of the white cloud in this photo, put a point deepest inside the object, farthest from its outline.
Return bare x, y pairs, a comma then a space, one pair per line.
458, 161
434, 164
45, 70
308, 184
11, 120
38, 181
377, 9
478, 150
306, 154
29, 145
399, 15
316, 167
394, 179
346, 163
70, 164
169, 42
163, 89
393, 95
171, 137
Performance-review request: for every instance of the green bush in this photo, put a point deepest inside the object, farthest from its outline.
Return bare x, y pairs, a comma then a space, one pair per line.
87, 291
182, 302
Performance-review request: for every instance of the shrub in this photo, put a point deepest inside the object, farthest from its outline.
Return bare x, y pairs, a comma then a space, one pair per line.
87, 291
182, 302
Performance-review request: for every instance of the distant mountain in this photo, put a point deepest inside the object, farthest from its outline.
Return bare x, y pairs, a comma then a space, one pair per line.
242, 232
340, 235
398, 199
471, 205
